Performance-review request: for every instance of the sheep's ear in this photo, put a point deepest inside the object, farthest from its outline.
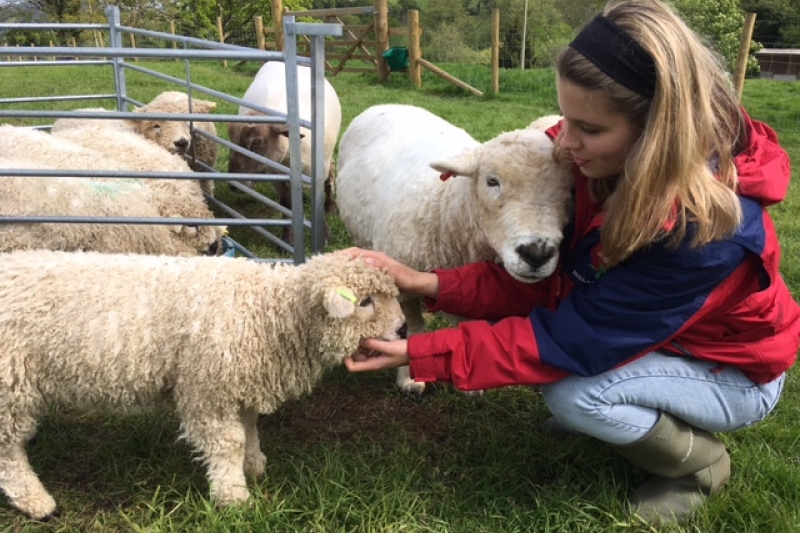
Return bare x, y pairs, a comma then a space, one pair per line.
464, 164
282, 128
203, 106
340, 302
234, 130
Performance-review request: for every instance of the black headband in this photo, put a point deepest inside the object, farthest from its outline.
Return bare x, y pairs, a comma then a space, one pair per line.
615, 52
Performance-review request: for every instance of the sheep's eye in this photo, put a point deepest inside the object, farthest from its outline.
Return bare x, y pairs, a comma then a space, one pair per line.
491, 181
157, 128
366, 302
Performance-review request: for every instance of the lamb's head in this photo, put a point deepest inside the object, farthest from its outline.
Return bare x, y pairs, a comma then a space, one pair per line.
205, 240
173, 135
269, 140
350, 301
523, 199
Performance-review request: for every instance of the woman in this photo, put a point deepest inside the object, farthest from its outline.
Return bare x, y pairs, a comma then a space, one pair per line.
668, 319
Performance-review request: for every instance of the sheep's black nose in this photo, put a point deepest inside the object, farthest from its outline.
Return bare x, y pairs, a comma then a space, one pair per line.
182, 145
536, 254
403, 331
212, 250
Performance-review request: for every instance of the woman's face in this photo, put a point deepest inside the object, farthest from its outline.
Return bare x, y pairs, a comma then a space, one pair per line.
595, 138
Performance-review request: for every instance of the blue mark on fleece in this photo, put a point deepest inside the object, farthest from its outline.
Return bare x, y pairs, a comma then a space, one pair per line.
112, 188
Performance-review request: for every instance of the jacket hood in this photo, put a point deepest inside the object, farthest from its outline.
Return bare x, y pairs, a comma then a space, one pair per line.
763, 166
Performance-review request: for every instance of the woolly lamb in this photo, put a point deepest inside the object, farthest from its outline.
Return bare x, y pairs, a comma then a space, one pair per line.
173, 135
511, 202
119, 333
270, 140
40, 196
129, 152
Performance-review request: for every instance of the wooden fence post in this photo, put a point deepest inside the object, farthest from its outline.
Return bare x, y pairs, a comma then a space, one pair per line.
172, 31
133, 45
277, 21
414, 50
744, 53
259, 22
382, 37
496, 50
221, 38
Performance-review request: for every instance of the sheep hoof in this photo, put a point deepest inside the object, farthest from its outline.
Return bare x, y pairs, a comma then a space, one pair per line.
40, 507
255, 466
236, 495
49, 517
412, 389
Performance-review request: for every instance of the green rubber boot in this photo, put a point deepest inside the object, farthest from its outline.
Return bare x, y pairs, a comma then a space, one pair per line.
689, 465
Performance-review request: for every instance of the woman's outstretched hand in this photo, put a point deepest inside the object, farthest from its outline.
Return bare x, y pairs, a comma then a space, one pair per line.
374, 354
408, 280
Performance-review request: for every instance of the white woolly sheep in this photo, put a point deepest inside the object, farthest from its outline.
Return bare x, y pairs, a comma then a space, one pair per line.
109, 332
129, 152
173, 135
270, 140
45, 196
511, 203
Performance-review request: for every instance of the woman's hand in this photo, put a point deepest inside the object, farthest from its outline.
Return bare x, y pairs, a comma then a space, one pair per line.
408, 280
375, 354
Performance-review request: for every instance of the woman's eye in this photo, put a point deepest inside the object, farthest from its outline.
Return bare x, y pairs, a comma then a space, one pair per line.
366, 302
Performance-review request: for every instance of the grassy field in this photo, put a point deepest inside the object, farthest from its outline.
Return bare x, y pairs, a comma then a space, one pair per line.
357, 456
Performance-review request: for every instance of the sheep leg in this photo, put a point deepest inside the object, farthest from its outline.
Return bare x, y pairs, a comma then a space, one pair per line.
255, 462
330, 190
20, 483
285, 199
221, 444
412, 308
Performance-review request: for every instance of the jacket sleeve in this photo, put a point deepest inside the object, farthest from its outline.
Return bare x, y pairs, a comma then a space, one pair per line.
634, 308
487, 291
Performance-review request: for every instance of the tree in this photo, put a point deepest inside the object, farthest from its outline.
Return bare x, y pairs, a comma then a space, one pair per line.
719, 21
777, 22
545, 29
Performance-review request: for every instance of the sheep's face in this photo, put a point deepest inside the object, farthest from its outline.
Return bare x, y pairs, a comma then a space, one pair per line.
173, 135
270, 141
357, 301
524, 199
206, 240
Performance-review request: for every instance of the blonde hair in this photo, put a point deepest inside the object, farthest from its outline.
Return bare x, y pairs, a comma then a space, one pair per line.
681, 168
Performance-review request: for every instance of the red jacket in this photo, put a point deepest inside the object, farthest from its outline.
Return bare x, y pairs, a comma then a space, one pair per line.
724, 302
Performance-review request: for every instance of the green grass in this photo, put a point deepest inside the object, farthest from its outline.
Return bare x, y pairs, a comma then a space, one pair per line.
356, 456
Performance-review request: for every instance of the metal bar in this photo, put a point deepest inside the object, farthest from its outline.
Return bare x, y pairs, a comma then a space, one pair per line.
318, 142
144, 220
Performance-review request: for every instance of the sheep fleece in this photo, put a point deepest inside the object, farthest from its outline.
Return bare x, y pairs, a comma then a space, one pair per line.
224, 338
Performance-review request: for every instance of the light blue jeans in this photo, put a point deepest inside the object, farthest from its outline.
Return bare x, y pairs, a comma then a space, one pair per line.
620, 406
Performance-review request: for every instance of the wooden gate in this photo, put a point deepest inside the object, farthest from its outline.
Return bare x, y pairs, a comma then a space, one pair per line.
357, 43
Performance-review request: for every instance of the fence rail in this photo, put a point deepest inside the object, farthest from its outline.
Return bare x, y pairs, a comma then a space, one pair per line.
118, 58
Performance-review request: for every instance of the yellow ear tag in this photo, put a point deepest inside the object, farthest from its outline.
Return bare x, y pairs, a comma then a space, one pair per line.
346, 294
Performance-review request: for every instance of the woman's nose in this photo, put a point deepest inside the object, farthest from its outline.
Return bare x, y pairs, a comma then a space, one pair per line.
567, 140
